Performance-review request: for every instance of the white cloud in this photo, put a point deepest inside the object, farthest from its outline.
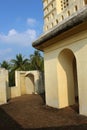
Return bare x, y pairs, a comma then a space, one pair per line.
31, 22
5, 51
20, 38
4, 54
12, 32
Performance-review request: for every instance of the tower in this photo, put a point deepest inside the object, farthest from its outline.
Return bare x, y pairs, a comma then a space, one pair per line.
64, 43
55, 11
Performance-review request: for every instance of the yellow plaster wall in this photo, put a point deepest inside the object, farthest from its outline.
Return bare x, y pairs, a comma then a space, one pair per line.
22, 83
26, 84
54, 12
54, 94
65, 78
3, 85
30, 84
14, 92
51, 89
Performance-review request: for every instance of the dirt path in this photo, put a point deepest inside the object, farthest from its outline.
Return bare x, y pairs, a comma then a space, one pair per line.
29, 112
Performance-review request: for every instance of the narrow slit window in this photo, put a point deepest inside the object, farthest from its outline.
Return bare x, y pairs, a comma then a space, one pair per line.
76, 8
68, 13
62, 17
57, 21
47, 28
52, 24
52, 15
52, 5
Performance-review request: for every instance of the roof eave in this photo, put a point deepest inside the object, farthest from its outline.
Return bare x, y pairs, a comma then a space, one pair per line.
72, 21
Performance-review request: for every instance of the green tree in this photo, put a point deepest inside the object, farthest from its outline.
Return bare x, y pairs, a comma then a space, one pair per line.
20, 63
5, 65
12, 78
36, 61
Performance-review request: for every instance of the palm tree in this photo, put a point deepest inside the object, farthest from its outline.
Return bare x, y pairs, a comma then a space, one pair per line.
20, 63
5, 65
36, 60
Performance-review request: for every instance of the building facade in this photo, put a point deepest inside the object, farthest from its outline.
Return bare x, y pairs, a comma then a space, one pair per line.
55, 11
65, 49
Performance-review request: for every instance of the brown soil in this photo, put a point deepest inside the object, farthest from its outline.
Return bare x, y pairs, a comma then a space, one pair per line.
29, 112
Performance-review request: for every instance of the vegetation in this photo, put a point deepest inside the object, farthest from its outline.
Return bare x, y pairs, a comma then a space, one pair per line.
20, 63
36, 61
5, 65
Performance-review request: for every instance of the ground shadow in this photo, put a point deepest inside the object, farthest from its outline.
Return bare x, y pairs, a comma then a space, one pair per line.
74, 127
7, 123
42, 95
39, 117
75, 107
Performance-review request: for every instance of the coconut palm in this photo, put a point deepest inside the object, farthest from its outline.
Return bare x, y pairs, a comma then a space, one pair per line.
19, 63
36, 60
5, 65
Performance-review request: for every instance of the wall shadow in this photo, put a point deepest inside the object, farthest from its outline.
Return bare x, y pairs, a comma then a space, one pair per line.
42, 95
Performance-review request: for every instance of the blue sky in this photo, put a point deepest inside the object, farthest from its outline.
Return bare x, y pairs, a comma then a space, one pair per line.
21, 22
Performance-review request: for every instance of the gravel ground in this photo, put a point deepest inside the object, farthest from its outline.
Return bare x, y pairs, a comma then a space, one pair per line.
29, 112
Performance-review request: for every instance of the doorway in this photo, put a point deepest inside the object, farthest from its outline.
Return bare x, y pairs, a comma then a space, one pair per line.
68, 80
30, 86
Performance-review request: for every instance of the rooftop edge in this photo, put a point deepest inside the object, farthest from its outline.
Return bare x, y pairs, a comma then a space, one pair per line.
73, 20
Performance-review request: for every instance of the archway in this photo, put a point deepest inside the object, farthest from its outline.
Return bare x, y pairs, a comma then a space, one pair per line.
30, 87
67, 73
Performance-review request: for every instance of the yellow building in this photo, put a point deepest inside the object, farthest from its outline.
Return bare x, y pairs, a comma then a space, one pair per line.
64, 43
55, 11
